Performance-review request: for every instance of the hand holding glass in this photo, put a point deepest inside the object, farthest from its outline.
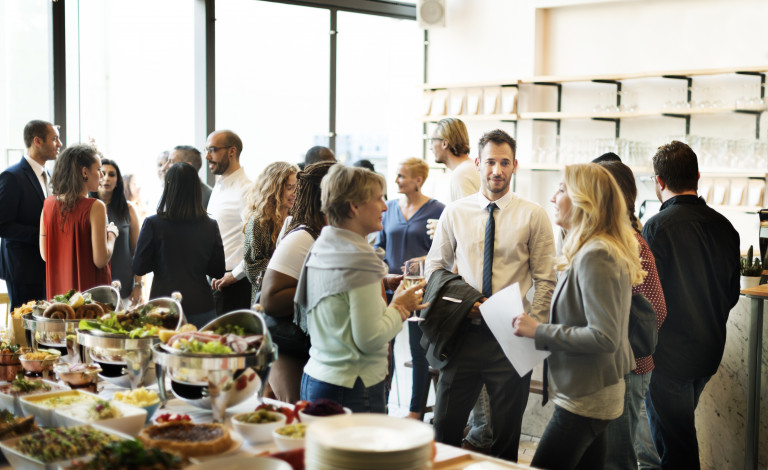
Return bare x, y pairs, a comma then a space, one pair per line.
413, 275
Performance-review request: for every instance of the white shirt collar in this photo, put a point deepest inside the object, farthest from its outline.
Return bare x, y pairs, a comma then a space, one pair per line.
227, 180
36, 167
501, 202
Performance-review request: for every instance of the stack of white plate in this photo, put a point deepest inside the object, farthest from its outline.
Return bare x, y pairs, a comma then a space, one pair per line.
369, 441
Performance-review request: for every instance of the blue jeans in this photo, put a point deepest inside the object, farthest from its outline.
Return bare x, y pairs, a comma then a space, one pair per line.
420, 367
359, 398
671, 403
622, 434
571, 441
480, 434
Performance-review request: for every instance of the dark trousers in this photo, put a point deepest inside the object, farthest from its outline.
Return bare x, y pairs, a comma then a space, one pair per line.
420, 367
479, 361
570, 442
20, 293
235, 296
671, 403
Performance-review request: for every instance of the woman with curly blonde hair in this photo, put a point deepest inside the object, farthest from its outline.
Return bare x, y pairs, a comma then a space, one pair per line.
269, 201
589, 319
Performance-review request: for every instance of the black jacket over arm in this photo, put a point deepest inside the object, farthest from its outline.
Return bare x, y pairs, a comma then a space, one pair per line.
445, 319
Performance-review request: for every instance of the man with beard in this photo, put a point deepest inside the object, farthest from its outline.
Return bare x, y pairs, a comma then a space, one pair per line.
450, 145
226, 206
495, 239
23, 188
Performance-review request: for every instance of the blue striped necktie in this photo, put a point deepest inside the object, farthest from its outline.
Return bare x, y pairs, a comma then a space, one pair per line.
490, 232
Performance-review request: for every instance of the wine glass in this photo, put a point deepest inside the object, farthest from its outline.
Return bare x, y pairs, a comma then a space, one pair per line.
413, 275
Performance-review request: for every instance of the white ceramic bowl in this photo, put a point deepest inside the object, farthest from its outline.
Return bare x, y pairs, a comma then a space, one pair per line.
46, 412
306, 419
288, 442
12, 401
130, 423
257, 433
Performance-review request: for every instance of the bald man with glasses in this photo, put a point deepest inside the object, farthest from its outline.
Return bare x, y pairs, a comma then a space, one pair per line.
227, 204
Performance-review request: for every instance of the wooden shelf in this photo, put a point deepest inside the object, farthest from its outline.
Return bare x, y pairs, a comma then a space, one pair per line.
473, 117
648, 170
589, 115
591, 78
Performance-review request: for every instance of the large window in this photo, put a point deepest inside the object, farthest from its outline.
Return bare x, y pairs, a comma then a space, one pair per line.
379, 67
130, 80
272, 79
26, 77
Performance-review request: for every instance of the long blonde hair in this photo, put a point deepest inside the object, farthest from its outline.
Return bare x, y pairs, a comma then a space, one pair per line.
599, 213
265, 198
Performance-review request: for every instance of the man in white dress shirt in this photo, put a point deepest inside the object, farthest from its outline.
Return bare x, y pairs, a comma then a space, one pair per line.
520, 249
226, 206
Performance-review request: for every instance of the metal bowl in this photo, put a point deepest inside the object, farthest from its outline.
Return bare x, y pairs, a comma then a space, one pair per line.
125, 361
218, 381
60, 334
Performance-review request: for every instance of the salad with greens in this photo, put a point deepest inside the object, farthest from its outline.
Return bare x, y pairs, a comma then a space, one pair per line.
139, 323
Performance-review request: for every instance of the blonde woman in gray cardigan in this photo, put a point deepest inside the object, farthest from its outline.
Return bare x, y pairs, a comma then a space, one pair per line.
589, 318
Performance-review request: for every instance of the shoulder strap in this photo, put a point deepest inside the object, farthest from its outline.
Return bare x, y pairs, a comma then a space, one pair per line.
307, 229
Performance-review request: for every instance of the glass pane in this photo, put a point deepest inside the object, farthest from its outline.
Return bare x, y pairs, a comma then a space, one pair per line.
130, 83
272, 79
26, 75
380, 70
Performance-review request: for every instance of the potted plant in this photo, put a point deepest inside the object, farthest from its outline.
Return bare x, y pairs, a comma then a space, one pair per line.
751, 270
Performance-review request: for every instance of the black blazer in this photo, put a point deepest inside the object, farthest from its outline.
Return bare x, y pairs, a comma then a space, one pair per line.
444, 319
21, 203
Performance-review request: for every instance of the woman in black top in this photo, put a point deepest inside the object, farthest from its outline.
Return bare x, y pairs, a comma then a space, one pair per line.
182, 245
123, 214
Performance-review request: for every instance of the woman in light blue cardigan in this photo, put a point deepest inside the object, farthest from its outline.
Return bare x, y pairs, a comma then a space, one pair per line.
339, 297
589, 318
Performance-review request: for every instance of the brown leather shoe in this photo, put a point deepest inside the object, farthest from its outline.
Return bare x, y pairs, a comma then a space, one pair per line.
480, 450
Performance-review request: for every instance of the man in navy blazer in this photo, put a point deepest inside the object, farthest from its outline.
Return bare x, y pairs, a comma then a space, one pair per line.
23, 188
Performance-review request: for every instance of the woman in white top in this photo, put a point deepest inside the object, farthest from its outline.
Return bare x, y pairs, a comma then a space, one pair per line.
340, 298
589, 319
280, 279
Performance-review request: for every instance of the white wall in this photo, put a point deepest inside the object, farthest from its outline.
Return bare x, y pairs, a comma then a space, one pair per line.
496, 39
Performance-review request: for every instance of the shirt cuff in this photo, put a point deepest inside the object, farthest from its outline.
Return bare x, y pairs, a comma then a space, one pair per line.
239, 271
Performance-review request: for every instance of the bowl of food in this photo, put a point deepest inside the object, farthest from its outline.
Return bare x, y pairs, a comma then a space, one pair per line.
142, 398
290, 437
319, 409
40, 361
9, 353
44, 405
113, 415
257, 427
77, 375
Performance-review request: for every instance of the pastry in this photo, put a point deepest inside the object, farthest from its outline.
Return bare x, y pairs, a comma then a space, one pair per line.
89, 311
59, 311
186, 438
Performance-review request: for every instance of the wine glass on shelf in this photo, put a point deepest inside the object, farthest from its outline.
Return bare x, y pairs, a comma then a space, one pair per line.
413, 275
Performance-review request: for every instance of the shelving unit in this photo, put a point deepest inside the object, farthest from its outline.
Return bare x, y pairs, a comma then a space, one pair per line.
684, 110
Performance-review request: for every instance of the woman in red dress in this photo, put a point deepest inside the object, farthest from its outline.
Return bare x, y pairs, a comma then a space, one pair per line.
75, 240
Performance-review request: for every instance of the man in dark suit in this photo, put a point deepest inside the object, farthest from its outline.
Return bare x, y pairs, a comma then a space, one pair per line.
189, 154
23, 188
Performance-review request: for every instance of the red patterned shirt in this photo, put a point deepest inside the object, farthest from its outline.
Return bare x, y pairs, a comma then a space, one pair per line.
651, 289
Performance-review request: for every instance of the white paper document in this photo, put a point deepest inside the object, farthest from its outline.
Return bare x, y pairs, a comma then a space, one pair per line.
498, 312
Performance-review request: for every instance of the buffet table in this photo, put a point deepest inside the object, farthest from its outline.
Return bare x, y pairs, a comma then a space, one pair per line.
448, 457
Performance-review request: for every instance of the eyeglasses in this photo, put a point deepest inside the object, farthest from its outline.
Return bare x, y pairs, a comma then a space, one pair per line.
652, 179
212, 149
432, 139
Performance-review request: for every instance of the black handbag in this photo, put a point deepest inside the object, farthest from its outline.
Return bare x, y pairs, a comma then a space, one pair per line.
643, 332
288, 337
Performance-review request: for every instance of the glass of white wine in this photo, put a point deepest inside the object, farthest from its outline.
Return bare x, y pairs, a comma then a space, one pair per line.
412, 275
